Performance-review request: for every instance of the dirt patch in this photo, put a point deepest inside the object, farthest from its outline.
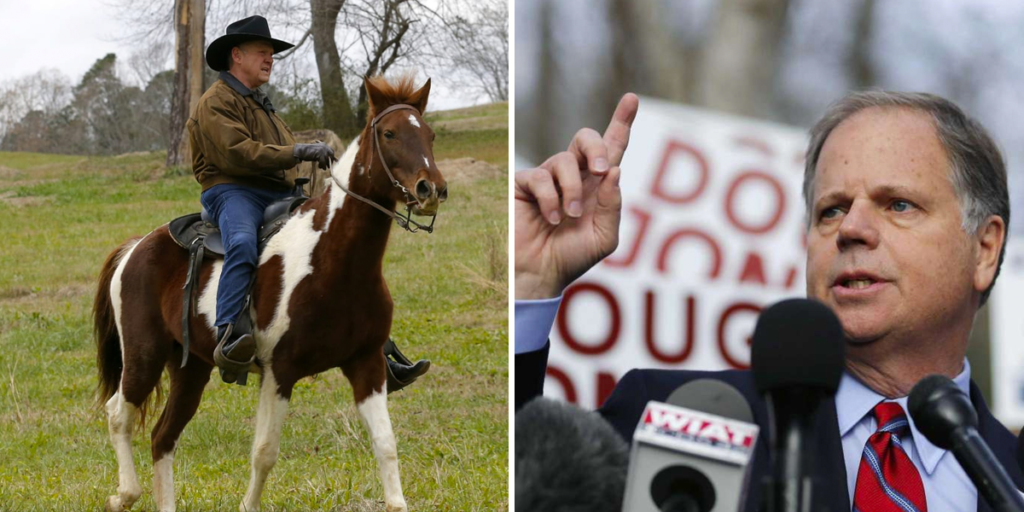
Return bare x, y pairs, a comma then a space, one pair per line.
24, 295
471, 123
14, 293
8, 173
19, 202
133, 153
467, 170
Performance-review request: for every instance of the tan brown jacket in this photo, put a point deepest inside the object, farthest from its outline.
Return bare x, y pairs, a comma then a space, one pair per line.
234, 139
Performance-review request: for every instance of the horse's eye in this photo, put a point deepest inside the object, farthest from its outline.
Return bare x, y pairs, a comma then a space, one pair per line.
389, 135
432, 137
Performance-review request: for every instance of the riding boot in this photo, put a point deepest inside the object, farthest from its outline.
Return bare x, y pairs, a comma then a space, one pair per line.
402, 371
235, 353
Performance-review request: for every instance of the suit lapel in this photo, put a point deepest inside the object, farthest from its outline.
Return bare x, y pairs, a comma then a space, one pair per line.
1000, 440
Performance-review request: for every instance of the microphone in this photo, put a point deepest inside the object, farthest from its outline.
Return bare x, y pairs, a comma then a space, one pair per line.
567, 459
797, 359
944, 414
692, 454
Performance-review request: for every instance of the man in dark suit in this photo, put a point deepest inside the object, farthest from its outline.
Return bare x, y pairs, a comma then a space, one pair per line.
907, 209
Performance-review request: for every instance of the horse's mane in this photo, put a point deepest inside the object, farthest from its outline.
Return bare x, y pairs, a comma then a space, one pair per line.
399, 90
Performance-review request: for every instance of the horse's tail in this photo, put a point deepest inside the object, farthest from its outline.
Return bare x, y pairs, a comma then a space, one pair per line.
108, 341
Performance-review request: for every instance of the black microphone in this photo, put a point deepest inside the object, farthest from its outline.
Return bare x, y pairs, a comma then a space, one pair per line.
944, 414
797, 359
693, 453
567, 459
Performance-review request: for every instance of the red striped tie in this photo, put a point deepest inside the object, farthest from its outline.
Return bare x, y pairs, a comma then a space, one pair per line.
887, 480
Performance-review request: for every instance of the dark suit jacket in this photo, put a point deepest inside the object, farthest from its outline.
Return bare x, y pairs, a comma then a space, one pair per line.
626, 404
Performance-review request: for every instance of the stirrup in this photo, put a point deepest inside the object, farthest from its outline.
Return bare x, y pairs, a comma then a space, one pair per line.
407, 370
235, 370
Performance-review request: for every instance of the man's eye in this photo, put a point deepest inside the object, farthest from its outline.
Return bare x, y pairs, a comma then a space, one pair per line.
901, 206
830, 213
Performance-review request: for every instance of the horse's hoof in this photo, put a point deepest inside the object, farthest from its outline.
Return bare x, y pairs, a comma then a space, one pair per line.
243, 508
398, 507
114, 504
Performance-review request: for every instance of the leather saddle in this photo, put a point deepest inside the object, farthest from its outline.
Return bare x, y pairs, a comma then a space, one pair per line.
188, 229
199, 235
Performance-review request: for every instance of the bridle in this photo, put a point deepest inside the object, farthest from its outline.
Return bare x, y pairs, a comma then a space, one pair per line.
406, 221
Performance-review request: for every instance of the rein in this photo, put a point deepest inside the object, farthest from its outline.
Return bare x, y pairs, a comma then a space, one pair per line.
406, 221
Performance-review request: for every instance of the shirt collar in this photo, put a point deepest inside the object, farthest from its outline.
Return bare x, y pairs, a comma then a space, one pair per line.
854, 401
240, 88
235, 83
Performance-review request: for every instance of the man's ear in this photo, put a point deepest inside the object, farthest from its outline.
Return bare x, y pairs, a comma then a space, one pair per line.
990, 240
236, 55
374, 96
419, 98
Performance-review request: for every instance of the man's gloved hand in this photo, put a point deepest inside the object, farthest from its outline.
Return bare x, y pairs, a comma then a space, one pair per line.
318, 152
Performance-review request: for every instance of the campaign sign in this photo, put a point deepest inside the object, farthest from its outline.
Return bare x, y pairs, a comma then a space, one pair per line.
712, 231
1007, 331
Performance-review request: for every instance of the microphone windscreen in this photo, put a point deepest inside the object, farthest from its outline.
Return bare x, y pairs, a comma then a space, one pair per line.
938, 408
712, 397
797, 343
567, 459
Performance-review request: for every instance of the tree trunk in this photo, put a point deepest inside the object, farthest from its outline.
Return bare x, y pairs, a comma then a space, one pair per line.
861, 66
549, 78
337, 112
197, 62
667, 66
738, 62
180, 96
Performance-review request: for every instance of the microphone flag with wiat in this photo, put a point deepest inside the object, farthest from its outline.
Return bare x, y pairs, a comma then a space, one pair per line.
692, 454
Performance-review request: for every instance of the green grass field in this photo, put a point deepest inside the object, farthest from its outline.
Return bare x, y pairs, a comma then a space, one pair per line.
63, 214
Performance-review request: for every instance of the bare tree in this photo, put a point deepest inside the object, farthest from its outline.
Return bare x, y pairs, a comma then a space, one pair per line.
47, 91
379, 35
476, 44
147, 62
337, 109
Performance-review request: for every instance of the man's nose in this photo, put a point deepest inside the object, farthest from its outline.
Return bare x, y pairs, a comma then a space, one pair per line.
858, 227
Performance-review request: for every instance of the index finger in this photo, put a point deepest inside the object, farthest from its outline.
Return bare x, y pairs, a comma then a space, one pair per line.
616, 136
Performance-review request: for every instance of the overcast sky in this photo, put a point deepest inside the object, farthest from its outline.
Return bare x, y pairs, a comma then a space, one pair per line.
69, 35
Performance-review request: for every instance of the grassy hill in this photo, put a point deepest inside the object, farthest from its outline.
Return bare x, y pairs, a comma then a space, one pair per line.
64, 214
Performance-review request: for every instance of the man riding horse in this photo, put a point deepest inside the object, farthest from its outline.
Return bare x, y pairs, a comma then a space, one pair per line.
245, 158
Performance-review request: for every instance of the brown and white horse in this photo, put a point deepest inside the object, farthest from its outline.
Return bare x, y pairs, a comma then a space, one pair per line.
319, 302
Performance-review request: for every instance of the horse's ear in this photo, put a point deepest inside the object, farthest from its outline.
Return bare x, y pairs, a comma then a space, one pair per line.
374, 96
419, 98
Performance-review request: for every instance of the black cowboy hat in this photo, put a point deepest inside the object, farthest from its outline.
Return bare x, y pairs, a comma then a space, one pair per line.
253, 28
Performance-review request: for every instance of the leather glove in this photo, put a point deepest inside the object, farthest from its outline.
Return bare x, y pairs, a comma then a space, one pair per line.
318, 152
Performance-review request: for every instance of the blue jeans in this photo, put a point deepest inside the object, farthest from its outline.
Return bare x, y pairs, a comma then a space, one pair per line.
238, 210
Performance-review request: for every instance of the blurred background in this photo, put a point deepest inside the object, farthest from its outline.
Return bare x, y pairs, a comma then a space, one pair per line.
776, 61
